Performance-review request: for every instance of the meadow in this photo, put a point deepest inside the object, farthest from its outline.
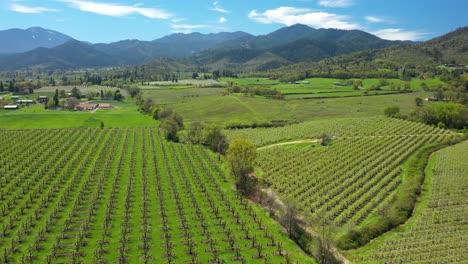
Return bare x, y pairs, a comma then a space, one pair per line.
214, 106
333, 88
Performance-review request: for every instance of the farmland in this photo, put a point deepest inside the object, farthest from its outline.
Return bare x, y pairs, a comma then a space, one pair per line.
127, 196
348, 182
74, 193
438, 231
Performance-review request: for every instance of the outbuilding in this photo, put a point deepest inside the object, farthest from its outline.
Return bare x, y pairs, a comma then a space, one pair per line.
11, 107
43, 99
24, 101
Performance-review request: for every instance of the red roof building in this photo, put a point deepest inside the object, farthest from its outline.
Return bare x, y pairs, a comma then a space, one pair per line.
86, 107
104, 105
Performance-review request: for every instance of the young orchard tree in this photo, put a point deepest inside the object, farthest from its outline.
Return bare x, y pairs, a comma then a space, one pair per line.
241, 156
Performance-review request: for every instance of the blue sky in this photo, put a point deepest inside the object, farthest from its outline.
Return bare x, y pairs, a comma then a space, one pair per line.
112, 20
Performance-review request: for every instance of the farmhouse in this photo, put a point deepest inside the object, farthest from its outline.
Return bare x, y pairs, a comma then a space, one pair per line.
11, 107
86, 107
104, 105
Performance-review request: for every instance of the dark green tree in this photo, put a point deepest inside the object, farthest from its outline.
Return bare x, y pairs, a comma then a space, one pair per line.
75, 92
56, 98
216, 139
392, 111
418, 101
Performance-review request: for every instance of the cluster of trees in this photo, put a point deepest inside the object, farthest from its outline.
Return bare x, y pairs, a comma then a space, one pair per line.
443, 115
256, 90
449, 112
20, 87
171, 123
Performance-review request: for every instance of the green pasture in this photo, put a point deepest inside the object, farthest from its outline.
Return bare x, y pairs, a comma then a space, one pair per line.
124, 114
329, 87
212, 106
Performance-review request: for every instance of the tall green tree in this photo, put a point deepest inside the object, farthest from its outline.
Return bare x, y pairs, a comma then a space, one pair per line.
75, 92
2, 88
56, 98
241, 156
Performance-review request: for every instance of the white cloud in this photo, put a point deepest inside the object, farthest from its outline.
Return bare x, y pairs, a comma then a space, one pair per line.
374, 19
117, 10
398, 34
177, 20
216, 7
222, 20
185, 28
336, 3
291, 15
30, 10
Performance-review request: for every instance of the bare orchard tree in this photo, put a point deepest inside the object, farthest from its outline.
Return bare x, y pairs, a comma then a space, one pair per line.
289, 219
324, 252
72, 102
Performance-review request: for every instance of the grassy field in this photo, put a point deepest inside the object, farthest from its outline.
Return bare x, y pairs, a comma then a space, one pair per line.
326, 87
210, 105
124, 115
437, 231
126, 196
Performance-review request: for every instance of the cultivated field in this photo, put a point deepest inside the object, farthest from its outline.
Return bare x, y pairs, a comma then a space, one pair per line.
438, 231
125, 196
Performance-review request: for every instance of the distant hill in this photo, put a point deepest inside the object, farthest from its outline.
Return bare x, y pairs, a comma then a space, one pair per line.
176, 45
297, 43
23, 40
72, 54
451, 48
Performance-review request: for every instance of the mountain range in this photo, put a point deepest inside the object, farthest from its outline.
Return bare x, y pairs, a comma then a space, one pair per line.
287, 45
47, 49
